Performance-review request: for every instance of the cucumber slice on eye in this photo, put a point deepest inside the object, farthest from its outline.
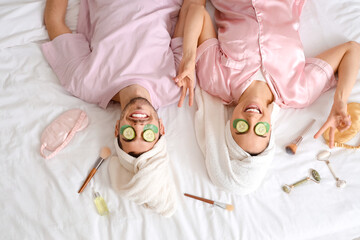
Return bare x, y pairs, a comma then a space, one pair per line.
128, 133
241, 125
261, 128
148, 135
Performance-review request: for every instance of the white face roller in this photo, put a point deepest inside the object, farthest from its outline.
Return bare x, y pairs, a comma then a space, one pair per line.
324, 156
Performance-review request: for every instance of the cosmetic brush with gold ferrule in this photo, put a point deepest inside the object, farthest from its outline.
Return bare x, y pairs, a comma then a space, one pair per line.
219, 204
104, 154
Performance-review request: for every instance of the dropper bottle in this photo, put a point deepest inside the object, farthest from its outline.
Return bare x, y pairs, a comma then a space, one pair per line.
100, 204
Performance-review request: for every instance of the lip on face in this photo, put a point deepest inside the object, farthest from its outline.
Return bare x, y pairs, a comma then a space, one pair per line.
138, 115
253, 108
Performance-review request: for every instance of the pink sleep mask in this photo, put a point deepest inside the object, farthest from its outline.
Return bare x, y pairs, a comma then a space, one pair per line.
59, 132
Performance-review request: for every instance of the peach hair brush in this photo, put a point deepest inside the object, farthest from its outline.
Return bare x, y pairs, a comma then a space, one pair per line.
219, 204
104, 154
292, 147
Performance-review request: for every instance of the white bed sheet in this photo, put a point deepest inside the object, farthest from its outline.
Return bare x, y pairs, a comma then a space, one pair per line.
39, 200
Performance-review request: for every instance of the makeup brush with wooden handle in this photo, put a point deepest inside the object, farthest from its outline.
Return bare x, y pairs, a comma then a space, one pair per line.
292, 147
104, 154
219, 204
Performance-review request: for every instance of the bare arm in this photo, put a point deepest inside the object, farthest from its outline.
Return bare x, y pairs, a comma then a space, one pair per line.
344, 59
54, 17
195, 26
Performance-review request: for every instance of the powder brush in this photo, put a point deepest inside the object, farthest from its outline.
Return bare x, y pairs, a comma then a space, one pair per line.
219, 204
104, 154
292, 147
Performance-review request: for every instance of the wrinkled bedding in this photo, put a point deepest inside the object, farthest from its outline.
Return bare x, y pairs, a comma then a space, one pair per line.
39, 198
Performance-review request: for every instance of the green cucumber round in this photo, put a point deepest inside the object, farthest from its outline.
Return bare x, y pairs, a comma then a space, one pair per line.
261, 128
128, 132
149, 135
241, 125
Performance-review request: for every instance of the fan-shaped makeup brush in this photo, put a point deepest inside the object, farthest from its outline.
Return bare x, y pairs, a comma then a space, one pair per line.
219, 204
104, 154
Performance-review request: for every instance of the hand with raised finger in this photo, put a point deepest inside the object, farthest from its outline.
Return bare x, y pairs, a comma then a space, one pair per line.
186, 69
337, 119
185, 79
186, 84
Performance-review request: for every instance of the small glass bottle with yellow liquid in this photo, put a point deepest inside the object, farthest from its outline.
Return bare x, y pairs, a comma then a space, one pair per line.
100, 204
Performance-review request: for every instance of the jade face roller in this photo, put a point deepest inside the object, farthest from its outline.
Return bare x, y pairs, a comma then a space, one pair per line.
324, 156
313, 173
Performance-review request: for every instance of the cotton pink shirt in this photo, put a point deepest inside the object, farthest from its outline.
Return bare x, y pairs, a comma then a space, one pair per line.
119, 43
261, 34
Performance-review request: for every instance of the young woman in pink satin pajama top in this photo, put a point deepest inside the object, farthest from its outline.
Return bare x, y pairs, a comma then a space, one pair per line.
259, 40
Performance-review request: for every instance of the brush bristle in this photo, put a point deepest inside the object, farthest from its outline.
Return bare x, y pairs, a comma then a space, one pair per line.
291, 149
105, 152
229, 207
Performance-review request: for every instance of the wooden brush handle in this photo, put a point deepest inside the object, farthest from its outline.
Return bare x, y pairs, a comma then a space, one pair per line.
87, 180
199, 198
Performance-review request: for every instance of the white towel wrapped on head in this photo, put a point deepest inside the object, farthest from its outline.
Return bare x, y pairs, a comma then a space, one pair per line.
228, 165
146, 180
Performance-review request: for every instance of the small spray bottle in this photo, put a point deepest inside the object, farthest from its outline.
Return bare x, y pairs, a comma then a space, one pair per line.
100, 204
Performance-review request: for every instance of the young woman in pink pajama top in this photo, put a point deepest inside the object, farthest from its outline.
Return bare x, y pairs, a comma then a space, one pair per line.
260, 38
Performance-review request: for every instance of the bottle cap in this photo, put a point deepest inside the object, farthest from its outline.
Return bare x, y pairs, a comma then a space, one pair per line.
96, 194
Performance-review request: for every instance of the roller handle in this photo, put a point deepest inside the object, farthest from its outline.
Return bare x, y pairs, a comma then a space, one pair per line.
300, 182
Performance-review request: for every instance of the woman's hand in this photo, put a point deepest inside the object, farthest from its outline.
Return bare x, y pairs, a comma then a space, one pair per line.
195, 26
345, 60
338, 118
185, 79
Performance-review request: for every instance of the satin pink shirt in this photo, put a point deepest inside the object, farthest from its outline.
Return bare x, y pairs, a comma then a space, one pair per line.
261, 34
117, 44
